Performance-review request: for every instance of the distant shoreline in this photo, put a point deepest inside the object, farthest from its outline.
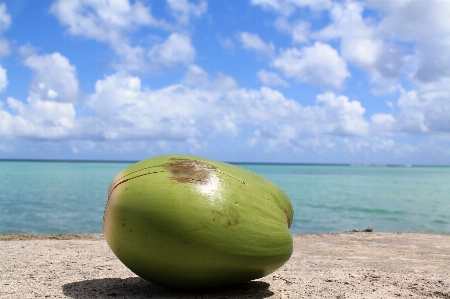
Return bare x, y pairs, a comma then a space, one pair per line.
235, 163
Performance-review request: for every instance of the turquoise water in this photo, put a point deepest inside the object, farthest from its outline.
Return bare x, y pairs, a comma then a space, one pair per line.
69, 197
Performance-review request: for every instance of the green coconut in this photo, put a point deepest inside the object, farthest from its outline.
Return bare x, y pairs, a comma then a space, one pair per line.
188, 222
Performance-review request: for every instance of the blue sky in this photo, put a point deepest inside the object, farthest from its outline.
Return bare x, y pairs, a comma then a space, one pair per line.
300, 81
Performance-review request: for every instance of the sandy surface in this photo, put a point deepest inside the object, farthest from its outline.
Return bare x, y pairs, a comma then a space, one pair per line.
346, 265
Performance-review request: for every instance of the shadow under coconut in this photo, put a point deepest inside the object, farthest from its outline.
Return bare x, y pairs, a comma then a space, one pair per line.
136, 287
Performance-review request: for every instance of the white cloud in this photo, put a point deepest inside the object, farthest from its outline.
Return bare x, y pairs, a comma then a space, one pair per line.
54, 77
253, 42
132, 58
391, 47
177, 48
5, 18
425, 109
379, 48
264, 105
5, 22
422, 110
47, 113
37, 119
198, 77
346, 20
276, 5
287, 7
362, 51
382, 124
431, 34
126, 110
271, 78
3, 79
4, 47
181, 112
413, 119
176, 112
362, 45
111, 22
343, 116
300, 30
40, 112
183, 9
319, 64
205, 105
103, 20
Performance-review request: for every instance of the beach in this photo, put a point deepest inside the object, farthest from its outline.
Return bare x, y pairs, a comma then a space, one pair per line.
338, 265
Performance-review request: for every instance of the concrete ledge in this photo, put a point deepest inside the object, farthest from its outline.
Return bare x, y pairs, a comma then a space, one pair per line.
345, 265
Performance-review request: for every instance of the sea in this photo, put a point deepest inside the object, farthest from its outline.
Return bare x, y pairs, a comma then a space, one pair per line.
57, 197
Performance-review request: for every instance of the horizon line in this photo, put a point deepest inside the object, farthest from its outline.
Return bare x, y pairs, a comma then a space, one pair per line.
235, 163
